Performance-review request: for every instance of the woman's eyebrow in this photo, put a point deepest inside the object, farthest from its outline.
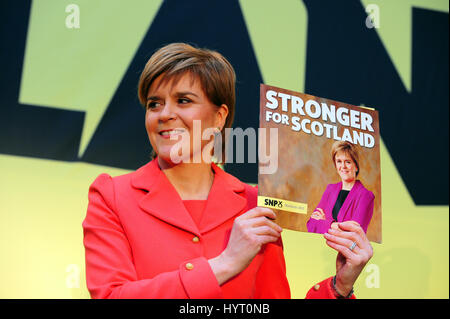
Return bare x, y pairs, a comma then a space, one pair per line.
184, 93
153, 98
177, 94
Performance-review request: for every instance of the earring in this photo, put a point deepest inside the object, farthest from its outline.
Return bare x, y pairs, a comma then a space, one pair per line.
217, 144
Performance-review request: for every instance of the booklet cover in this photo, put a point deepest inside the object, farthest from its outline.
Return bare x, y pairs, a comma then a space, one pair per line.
323, 164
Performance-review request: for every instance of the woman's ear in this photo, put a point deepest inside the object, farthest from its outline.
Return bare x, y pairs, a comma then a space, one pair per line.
221, 116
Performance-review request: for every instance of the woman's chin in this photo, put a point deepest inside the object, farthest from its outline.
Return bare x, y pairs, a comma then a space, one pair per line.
348, 180
171, 158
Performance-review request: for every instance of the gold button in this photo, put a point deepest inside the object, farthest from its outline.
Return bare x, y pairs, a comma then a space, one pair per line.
316, 287
195, 239
189, 266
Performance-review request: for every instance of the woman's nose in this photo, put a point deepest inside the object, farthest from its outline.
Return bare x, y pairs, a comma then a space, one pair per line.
167, 112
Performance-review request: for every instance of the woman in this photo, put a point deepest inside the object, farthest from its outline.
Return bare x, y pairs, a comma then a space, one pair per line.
180, 227
347, 200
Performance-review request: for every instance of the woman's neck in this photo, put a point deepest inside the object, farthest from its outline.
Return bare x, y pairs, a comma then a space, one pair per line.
192, 181
348, 185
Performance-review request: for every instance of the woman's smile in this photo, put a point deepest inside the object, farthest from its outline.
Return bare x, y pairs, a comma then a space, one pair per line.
171, 133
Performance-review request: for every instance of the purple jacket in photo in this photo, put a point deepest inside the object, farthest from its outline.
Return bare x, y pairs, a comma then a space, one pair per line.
358, 206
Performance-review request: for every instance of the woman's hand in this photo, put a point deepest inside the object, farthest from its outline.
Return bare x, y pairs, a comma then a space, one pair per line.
318, 214
349, 262
249, 233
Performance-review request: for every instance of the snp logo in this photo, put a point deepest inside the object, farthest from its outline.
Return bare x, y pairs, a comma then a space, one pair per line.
273, 203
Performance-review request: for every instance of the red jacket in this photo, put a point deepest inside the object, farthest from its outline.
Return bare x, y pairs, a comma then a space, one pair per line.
141, 242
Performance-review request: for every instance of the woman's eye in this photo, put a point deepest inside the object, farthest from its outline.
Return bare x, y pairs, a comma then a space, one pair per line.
183, 101
152, 105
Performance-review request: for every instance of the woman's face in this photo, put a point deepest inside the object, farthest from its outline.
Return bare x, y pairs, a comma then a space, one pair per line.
345, 166
171, 111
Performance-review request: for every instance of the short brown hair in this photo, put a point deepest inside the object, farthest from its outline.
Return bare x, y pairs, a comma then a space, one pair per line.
215, 73
348, 148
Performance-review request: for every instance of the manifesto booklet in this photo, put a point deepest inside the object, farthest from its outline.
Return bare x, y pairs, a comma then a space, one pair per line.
319, 162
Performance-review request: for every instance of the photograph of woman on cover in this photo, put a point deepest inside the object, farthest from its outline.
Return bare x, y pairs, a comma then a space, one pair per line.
346, 200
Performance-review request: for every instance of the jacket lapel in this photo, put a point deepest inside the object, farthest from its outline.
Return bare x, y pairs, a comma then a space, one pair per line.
349, 201
225, 200
162, 200
332, 199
